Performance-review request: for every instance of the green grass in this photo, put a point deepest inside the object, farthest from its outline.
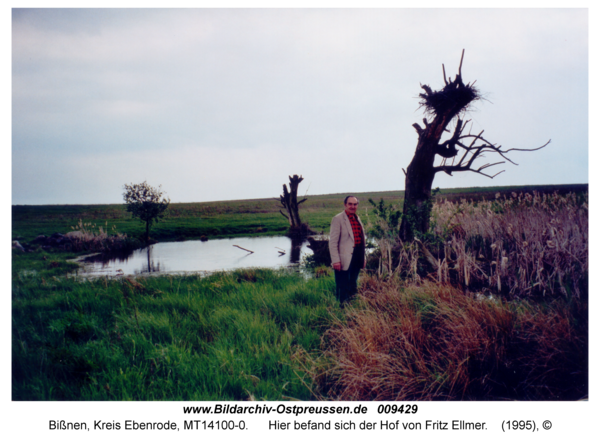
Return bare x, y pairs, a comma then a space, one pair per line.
230, 336
259, 334
248, 334
221, 219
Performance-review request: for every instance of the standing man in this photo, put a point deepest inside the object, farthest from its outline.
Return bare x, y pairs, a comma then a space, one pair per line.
347, 249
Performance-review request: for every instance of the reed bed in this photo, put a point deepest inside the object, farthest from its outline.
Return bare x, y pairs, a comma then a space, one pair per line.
433, 342
520, 245
86, 236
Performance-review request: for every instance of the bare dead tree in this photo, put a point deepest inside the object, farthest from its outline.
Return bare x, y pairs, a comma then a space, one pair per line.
289, 201
458, 153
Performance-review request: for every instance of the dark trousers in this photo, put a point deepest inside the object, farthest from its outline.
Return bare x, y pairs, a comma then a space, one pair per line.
346, 281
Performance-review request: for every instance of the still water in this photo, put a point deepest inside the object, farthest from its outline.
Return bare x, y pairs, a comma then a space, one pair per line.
197, 256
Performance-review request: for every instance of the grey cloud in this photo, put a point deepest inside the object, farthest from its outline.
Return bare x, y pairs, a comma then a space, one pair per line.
307, 83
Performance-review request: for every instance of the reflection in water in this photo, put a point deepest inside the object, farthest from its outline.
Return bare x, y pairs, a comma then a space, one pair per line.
199, 256
296, 250
151, 267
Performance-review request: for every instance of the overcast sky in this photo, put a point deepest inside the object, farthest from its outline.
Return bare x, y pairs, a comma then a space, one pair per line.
220, 104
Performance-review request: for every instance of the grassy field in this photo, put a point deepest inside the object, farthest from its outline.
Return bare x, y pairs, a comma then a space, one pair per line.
502, 316
221, 219
231, 336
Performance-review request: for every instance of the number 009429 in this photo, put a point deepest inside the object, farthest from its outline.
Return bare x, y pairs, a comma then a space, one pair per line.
395, 408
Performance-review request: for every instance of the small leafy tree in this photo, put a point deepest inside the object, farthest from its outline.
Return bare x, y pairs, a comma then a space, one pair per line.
144, 202
388, 221
384, 230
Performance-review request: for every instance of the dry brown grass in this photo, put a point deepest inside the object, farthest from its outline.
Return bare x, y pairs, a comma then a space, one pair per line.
520, 246
432, 342
87, 236
523, 245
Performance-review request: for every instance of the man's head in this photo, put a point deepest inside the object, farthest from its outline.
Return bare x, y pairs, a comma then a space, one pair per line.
351, 204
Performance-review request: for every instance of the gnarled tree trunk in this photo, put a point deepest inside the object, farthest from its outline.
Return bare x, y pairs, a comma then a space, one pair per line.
421, 170
289, 200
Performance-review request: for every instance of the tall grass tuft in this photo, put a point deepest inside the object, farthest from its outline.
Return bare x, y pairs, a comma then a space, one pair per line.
431, 342
85, 237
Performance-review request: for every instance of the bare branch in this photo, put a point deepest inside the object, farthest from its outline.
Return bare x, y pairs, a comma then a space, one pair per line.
444, 73
427, 89
418, 128
237, 246
477, 152
460, 65
476, 138
483, 167
450, 169
489, 147
448, 148
528, 150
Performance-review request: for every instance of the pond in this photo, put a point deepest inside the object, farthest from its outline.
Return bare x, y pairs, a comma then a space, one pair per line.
198, 257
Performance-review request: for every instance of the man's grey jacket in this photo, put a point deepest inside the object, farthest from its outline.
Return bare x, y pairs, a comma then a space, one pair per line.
341, 239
